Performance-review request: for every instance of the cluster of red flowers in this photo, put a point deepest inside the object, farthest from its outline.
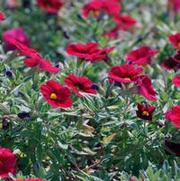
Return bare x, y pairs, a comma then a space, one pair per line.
113, 9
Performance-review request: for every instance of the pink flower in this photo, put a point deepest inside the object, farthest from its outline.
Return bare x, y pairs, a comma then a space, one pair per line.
2, 16
176, 81
16, 33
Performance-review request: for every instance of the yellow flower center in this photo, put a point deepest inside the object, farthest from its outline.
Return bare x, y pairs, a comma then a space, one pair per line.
178, 44
96, 13
145, 113
53, 96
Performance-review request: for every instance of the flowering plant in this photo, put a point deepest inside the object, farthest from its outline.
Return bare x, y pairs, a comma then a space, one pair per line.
89, 90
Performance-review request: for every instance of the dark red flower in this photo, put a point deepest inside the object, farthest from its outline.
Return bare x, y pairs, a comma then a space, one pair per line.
172, 147
90, 51
174, 5
50, 6
170, 63
173, 115
16, 33
80, 84
34, 58
124, 73
175, 40
145, 111
177, 57
97, 7
2, 16
145, 88
7, 163
176, 81
56, 95
141, 56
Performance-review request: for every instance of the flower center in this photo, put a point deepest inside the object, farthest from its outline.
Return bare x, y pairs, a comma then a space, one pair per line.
96, 13
145, 113
53, 96
127, 78
178, 44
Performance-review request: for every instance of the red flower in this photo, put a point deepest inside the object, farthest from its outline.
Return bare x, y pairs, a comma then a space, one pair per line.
124, 22
7, 163
35, 59
89, 51
50, 6
172, 147
170, 63
112, 8
16, 33
145, 111
124, 73
2, 16
176, 81
80, 85
177, 57
175, 5
173, 115
141, 56
145, 88
56, 95
175, 40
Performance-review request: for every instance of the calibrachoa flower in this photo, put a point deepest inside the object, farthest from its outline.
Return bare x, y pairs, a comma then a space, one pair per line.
173, 115
2, 16
124, 73
97, 7
50, 6
175, 5
34, 58
175, 40
80, 84
141, 56
177, 57
56, 95
145, 88
90, 51
16, 33
172, 147
170, 63
145, 111
124, 22
7, 162
176, 81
